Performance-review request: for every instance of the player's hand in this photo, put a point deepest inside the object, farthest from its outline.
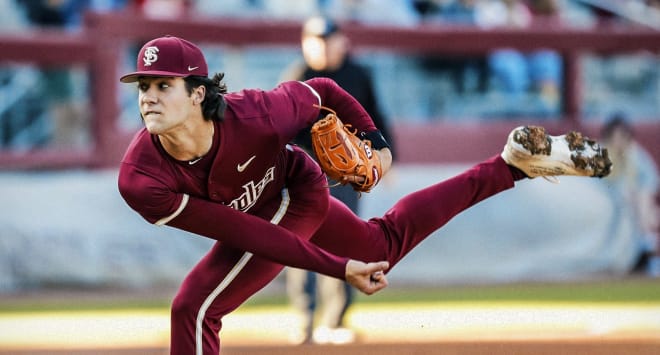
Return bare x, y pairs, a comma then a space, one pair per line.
385, 156
368, 278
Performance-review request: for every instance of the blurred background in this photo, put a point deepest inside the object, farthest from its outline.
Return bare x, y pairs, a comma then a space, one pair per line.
452, 76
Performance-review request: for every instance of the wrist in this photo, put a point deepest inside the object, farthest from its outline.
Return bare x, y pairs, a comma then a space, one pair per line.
376, 138
385, 155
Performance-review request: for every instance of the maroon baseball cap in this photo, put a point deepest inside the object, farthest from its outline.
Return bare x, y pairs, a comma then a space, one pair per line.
168, 56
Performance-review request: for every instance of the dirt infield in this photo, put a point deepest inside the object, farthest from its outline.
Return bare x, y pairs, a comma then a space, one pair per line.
465, 331
416, 328
462, 348
563, 347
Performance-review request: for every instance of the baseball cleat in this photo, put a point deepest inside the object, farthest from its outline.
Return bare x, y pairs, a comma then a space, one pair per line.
536, 153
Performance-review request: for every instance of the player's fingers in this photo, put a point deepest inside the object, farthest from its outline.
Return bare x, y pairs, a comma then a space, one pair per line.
377, 278
368, 278
377, 282
353, 179
381, 266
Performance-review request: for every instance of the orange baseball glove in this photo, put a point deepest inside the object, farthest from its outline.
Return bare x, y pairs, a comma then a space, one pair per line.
343, 156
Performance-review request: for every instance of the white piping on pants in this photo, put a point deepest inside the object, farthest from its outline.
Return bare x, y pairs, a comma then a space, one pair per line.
281, 211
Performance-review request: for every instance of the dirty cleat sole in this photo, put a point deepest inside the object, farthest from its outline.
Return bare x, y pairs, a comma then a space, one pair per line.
536, 153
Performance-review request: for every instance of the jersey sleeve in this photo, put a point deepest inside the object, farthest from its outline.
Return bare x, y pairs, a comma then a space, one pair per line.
147, 195
161, 205
296, 105
290, 107
255, 235
347, 107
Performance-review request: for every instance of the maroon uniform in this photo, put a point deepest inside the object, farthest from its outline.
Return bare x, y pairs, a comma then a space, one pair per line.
267, 204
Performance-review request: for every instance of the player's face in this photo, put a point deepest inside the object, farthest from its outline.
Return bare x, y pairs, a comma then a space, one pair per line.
165, 104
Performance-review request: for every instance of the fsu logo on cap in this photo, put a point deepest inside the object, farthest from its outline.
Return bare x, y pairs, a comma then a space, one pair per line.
168, 57
150, 55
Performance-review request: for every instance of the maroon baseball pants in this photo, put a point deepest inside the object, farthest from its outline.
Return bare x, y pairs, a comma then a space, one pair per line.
226, 277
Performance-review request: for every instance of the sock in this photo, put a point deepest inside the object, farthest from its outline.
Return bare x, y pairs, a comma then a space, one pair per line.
517, 173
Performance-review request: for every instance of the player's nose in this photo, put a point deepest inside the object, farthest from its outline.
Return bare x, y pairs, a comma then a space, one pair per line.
148, 97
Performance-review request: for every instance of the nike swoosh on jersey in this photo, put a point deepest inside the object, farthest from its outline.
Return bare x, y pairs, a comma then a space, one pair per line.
191, 162
241, 167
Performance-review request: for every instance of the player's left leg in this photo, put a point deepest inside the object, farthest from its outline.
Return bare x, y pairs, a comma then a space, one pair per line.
226, 276
217, 285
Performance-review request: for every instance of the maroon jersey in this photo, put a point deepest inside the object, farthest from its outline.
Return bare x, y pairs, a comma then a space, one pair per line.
230, 193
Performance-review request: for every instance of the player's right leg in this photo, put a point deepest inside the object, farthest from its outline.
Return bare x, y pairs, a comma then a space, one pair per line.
413, 218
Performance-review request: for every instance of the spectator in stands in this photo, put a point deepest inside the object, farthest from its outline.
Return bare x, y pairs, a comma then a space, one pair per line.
325, 50
653, 5
633, 186
518, 74
372, 12
71, 126
11, 17
290, 9
230, 8
461, 68
163, 9
107, 5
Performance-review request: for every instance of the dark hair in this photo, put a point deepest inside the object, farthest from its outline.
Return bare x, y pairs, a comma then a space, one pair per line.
214, 105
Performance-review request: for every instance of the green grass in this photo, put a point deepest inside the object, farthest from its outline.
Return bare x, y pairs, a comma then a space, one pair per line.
644, 291
610, 291
639, 291
48, 304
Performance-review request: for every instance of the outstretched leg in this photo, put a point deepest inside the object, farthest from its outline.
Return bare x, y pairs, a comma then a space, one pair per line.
529, 151
412, 218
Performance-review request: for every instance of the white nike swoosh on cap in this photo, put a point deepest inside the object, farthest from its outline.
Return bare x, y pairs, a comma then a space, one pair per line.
192, 68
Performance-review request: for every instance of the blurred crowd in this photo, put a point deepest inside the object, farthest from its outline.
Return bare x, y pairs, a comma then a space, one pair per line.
482, 13
505, 83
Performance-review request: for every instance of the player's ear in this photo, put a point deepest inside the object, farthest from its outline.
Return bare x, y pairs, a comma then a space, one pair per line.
198, 94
